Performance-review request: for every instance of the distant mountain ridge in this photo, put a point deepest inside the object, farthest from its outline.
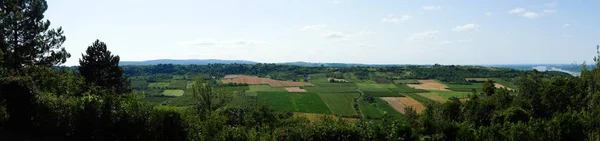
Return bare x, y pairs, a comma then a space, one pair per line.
185, 62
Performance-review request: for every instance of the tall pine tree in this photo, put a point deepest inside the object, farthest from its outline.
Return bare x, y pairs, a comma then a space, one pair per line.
100, 68
25, 37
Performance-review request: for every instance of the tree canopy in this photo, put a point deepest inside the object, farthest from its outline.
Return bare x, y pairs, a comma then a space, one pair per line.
99, 67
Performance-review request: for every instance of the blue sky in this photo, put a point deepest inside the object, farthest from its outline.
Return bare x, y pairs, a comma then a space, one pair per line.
346, 31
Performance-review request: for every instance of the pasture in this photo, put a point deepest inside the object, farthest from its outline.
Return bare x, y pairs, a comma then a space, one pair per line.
377, 109
173, 92
294, 102
340, 103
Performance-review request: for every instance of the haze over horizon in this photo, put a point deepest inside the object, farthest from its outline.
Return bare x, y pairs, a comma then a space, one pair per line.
337, 31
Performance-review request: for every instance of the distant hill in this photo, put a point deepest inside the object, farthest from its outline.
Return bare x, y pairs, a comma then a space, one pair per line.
185, 62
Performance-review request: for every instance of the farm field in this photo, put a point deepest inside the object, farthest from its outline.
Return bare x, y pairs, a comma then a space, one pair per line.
139, 84
444, 95
429, 85
173, 92
403, 88
264, 88
505, 83
254, 80
178, 84
498, 85
340, 103
377, 109
465, 88
295, 89
238, 89
382, 94
331, 89
294, 102
377, 86
399, 103
406, 81
159, 85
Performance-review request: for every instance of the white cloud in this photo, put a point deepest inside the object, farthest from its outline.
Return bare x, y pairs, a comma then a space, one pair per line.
549, 11
488, 13
313, 27
516, 10
333, 35
363, 33
443, 42
337, 2
465, 27
566, 25
395, 19
212, 42
552, 4
531, 15
424, 35
432, 7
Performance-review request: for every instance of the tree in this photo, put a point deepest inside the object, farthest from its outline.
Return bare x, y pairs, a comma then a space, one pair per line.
209, 99
26, 39
489, 87
100, 68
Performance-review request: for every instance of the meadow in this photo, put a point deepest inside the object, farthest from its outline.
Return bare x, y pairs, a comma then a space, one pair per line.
293, 102
340, 103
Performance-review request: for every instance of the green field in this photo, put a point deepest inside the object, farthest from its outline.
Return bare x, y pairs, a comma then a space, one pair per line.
331, 89
505, 83
178, 84
340, 103
173, 92
159, 85
265, 88
294, 102
234, 88
377, 109
367, 86
407, 81
328, 84
139, 84
382, 94
447, 94
403, 88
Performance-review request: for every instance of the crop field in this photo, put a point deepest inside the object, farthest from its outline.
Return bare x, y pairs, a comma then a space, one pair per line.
159, 85
444, 95
382, 94
477, 79
178, 84
429, 85
382, 81
505, 83
409, 102
403, 88
254, 80
173, 92
264, 88
340, 103
367, 86
465, 88
377, 109
407, 81
498, 85
327, 84
295, 89
331, 89
294, 102
139, 84
238, 89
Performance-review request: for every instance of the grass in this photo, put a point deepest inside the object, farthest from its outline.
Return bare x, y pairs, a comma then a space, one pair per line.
234, 88
382, 94
159, 85
331, 89
423, 100
340, 103
178, 84
448, 94
265, 88
465, 88
407, 81
328, 84
294, 102
377, 109
403, 88
139, 84
367, 86
173, 93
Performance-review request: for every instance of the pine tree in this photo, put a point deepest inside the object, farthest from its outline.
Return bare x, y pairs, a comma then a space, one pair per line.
25, 37
100, 68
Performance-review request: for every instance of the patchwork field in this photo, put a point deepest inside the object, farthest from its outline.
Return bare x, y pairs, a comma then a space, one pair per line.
295, 89
173, 92
377, 109
429, 85
465, 88
254, 80
382, 81
382, 94
139, 84
377, 86
403, 88
293, 102
340, 103
267, 88
406, 81
178, 84
399, 103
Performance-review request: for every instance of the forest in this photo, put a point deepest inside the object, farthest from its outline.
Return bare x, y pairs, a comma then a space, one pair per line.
100, 100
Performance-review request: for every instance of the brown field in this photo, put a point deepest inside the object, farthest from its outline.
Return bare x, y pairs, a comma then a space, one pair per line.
497, 85
429, 85
477, 79
254, 80
399, 103
382, 81
315, 117
295, 89
435, 97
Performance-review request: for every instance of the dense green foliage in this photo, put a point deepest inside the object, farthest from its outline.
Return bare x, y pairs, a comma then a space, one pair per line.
100, 68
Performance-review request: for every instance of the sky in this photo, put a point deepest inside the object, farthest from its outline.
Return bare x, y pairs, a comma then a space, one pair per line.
343, 31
